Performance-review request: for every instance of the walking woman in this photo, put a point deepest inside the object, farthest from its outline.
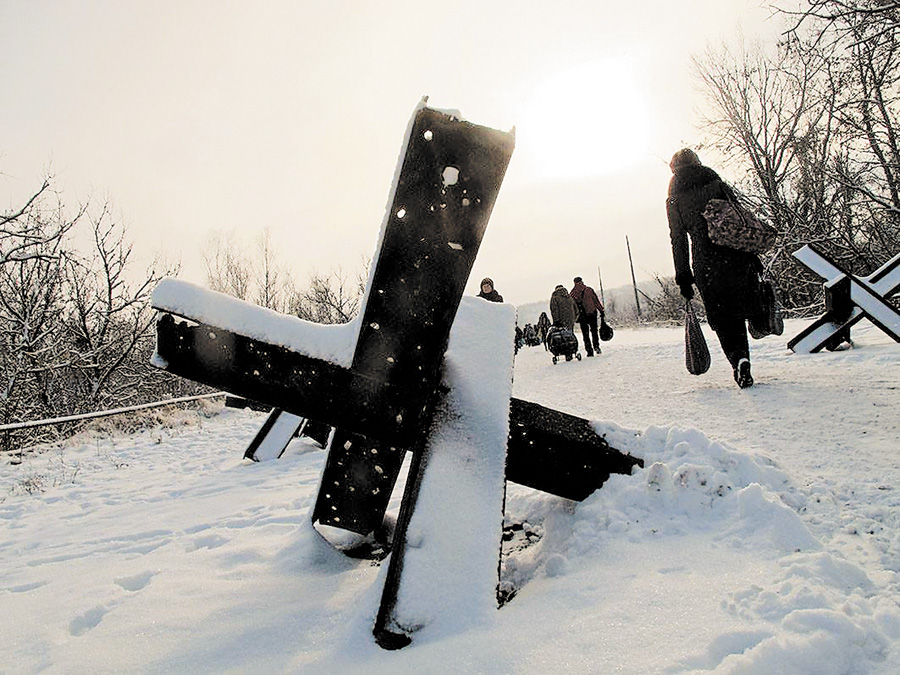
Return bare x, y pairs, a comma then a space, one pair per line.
728, 279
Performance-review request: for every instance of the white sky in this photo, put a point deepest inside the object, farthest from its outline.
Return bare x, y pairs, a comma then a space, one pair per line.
200, 116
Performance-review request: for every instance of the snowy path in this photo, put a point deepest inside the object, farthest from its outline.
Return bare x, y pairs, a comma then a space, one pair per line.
830, 420
763, 536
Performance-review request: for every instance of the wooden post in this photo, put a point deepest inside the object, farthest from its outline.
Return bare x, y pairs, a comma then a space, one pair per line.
637, 300
600, 279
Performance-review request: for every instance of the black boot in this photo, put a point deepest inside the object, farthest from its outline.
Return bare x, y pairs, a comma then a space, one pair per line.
742, 374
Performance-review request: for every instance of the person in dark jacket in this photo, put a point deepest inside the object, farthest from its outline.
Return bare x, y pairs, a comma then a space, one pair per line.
488, 292
543, 327
562, 308
728, 279
589, 308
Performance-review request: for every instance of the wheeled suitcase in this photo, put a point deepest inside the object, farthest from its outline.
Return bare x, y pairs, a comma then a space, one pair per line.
563, 342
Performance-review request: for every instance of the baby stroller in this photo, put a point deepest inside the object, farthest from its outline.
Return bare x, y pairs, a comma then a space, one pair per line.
562, 342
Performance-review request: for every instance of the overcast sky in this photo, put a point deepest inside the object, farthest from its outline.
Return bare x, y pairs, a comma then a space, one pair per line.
196, 117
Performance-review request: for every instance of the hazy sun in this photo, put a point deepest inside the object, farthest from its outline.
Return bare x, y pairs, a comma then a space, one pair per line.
586, 121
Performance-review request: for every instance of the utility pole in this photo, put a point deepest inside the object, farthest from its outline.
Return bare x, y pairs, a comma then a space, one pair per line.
637, 300
600, 279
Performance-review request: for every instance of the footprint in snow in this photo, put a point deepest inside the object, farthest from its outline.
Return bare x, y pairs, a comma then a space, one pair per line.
208, 541
25, 588
90, 619
136, 582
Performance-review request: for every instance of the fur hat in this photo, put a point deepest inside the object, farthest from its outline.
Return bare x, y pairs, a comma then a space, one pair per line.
684, 157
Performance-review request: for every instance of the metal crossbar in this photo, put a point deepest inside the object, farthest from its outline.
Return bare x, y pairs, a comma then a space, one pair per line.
848, 299
385, 400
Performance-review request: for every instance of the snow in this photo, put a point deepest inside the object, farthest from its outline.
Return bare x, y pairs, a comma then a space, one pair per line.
762, 536
332, 343
464, 466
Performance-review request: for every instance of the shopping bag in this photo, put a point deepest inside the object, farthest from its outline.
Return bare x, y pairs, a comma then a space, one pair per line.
771, 322
729, 224
606, 331
696, 353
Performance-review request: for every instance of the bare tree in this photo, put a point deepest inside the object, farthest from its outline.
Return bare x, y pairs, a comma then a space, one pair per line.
31, 301
787, 117
248, 273
34, 229
835, 20
228, 270
767, 116
331, 298
762, 108
32, 263
109, 317
327, 298
863, 50
76, 328
272, 284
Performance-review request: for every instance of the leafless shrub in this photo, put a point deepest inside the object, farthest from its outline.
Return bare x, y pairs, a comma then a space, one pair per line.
329, 299
76, 328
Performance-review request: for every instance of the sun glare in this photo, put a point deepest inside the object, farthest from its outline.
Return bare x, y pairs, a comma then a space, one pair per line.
586, 121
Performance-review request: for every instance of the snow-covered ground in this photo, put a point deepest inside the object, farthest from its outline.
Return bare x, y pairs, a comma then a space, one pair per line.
762, 536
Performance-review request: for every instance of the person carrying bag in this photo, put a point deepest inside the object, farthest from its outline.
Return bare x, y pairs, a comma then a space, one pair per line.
589, 310
727, 278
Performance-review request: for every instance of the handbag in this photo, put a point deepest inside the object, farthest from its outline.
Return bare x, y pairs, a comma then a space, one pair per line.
731, 225
696, 353
606, 331
771, 322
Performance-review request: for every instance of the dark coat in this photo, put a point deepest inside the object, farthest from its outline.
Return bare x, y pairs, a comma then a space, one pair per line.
493, 296
543, 325
586, 298
728, 279
562, 308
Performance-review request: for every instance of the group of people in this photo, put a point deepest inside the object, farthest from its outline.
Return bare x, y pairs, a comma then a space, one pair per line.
580, 305
729, 280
